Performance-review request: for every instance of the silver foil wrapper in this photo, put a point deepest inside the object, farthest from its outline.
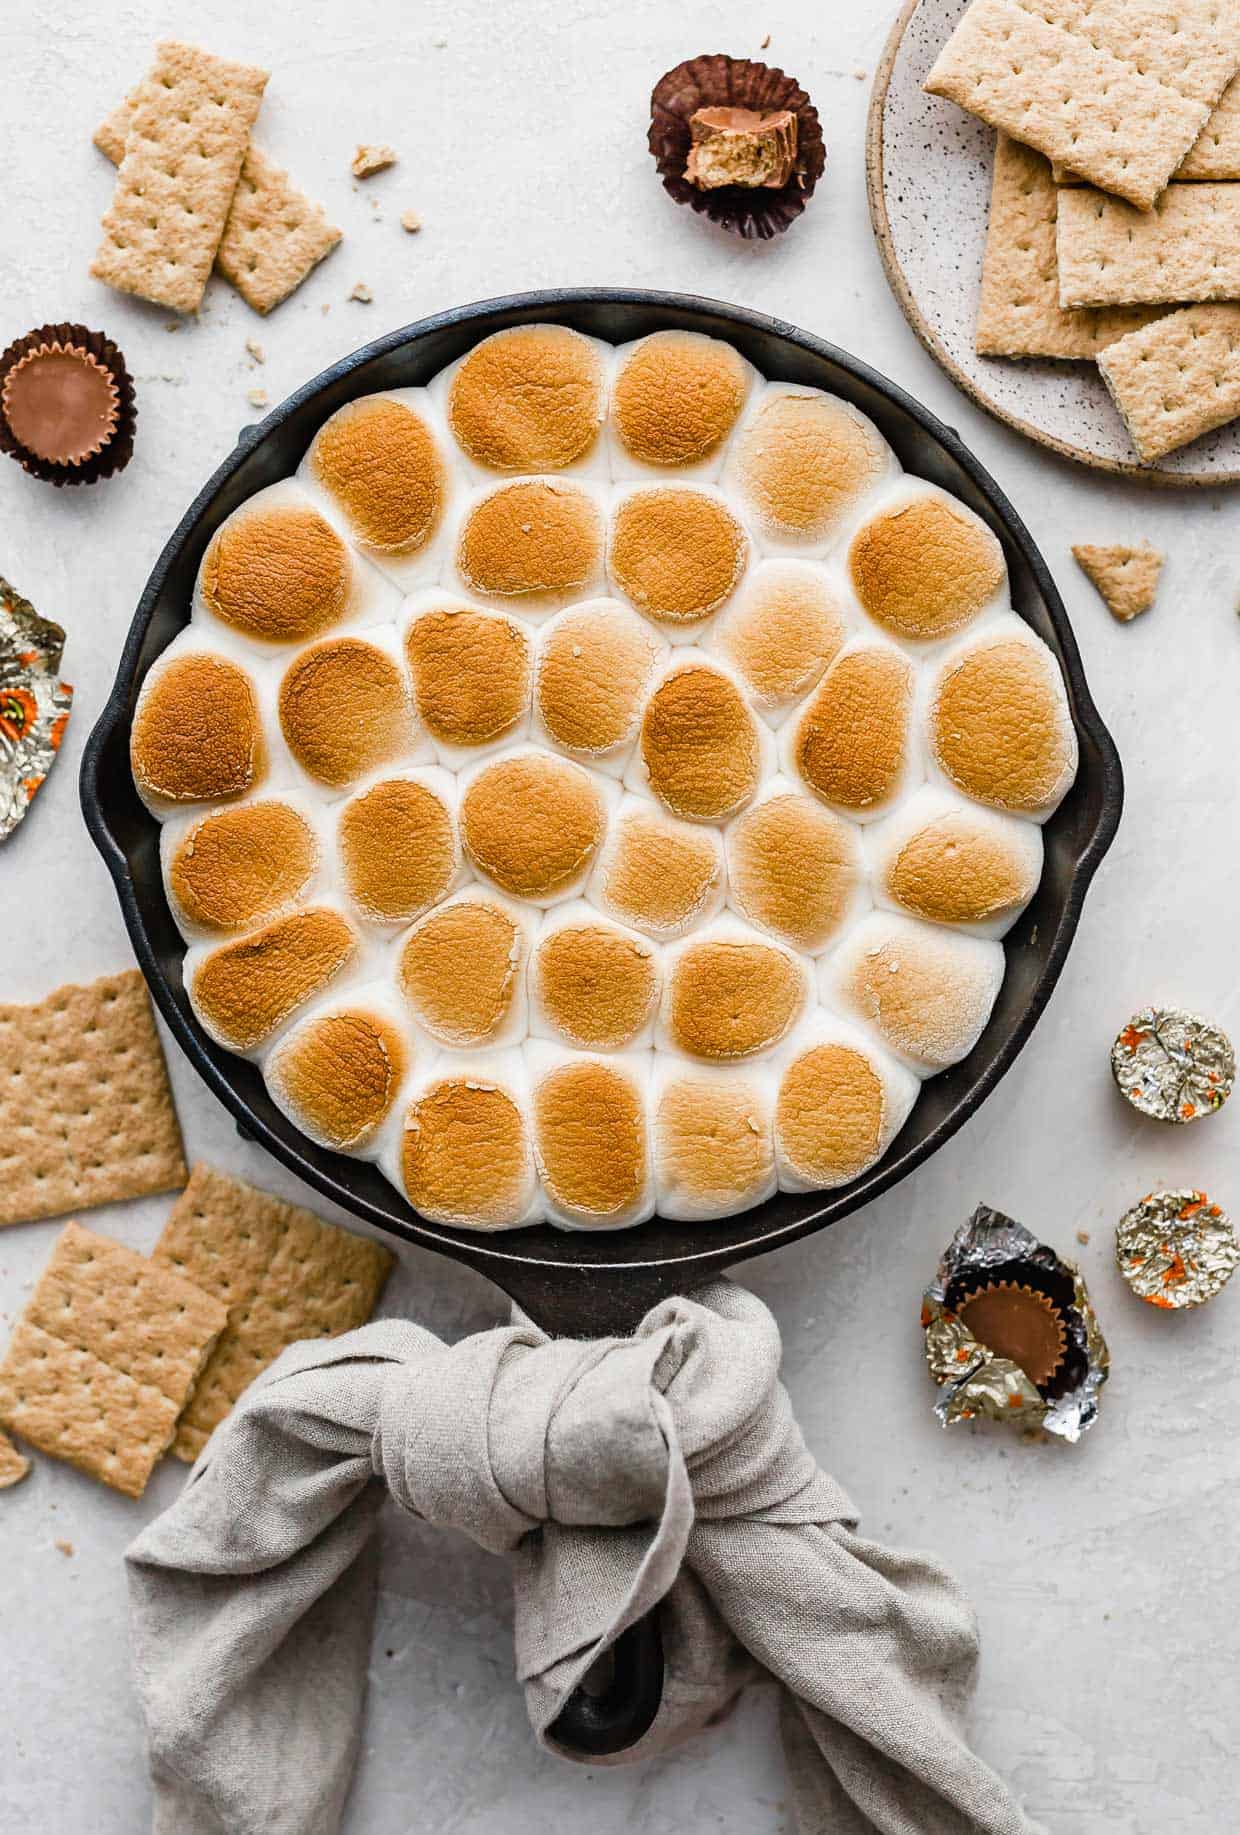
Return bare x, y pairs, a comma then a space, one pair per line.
1173, 1065
34, 703
1176, 1249
975, 1381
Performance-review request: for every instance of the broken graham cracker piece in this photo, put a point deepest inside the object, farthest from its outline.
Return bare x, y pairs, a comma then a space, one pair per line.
86, 1111
13, 1465
1126, 577
369, 160
1176, 379
188, 133
1186, 248
281, 1271
104, 1358
1018, 312
1116, 90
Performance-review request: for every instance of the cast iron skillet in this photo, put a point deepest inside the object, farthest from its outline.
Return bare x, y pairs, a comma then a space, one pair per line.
581, 1283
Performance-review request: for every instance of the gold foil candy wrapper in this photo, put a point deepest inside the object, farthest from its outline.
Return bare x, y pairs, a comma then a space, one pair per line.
1172, 1065
1176, 1249
34, 703
976, 1382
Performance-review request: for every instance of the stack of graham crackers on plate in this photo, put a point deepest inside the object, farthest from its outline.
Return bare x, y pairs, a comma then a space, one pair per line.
1114, 231
193, 191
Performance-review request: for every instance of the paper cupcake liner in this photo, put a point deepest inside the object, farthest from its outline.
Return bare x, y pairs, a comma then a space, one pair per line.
114, 453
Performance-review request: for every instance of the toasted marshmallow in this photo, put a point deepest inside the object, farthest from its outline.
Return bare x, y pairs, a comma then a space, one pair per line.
464, 1153
338, 1072
999, 724
532, 823
535, 543
852, 742
462, 969
594, 668
592, 983
590, 1135
243, 991
801, 462
710, 1132
345, 708
471, 670
381, 469
785, 626
675, 398
730, 993
657, 873
238, 865
841, 1103
676, 553
701, 751
399, 848
197, 734
923, 566
795, 868
529, 399
923, 991
946, 860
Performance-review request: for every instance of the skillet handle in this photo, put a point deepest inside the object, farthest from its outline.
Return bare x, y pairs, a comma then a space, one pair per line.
600, 1725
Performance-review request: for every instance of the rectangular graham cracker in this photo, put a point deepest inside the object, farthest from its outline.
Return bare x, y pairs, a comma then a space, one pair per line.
1176, 379
104, 1358
1116, 90
273, 236
1187, 248
1018, 312
86, 1112
281, 1271
1215, 154
188, 134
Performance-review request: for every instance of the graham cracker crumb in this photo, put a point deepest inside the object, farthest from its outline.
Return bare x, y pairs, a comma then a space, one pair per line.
65, 1548
255, 350
362, 293
368, 160
257, 398
410, 220
1082, 1236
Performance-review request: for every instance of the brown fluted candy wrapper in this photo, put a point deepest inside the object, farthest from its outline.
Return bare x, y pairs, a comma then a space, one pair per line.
34, 703
67, 409
719, 82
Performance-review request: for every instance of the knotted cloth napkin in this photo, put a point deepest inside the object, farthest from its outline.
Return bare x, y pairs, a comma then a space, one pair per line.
617, 1473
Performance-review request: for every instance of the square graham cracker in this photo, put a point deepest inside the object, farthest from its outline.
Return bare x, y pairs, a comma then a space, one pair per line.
86, 1112
104, 1358
1186, 249
188, 134
1116, 90
282, 1273
1176, 379
1018, 312
1215, 154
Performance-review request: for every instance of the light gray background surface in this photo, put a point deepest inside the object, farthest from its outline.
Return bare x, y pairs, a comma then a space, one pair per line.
1105, 1576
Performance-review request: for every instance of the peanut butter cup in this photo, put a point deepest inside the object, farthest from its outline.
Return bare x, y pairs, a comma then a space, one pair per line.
66, 405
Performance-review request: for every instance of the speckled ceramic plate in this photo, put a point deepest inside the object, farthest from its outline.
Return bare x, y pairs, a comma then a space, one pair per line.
928, 171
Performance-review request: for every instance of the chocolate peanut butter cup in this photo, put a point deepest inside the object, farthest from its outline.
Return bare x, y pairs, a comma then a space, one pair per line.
66, 405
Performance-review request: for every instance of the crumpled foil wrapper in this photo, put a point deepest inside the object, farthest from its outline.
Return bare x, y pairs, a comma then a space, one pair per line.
1173, 1065
34, 703
1176, 1249
974, 1380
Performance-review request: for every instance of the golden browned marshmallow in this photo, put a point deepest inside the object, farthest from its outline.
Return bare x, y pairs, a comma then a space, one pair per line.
379, 460
956, 864
924, 568
337, 1074
594, 666
197, 734
676, 553
830, 1114
532, 823
398, 849
242, 991
794, 868
1000, 726
596, 985
676, 397
657, 873
277, 571
926, 990
802, 460
535, 536
471, 672
344, 709
590, 1135
731, 995
785, 628
530, 399
466, 1156
850, 743
240, 865
699, 744
712, 1145
459, 970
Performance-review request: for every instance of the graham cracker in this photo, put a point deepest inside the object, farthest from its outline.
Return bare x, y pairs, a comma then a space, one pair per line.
1126, 577
1018, 312
1177, 379
86, 1111
1186, 249
1215, 154
1117, 90
13, 1465
188, 133
282, 1273
104, 1358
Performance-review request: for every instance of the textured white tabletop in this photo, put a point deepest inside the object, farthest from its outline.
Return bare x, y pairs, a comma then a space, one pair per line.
1105, 1575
